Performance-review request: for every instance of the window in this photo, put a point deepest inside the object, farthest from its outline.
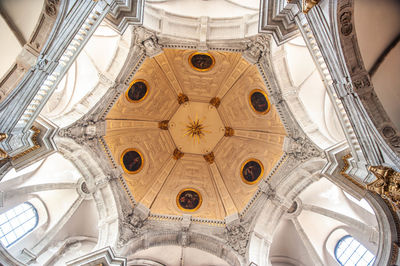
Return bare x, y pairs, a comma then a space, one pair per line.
349, 252
17, 222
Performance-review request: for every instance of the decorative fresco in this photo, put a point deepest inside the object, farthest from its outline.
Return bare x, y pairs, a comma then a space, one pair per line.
137, 91
251, 171
189, 200
259, 101
201, 61
132, 161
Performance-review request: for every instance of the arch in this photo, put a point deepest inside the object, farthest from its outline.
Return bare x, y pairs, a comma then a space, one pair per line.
103, 193
345, 38
209, 244
17, 223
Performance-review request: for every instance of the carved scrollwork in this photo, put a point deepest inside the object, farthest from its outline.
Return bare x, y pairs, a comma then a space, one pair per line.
346, 26
237, 238
82, 132
147, 40
303, 149
387, 184
257, 48
132, 226
51, 7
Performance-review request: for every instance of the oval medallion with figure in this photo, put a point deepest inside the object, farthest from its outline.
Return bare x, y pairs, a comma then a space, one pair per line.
137, 91
188, 199
132, 161
251, 171
201, 61
259, 102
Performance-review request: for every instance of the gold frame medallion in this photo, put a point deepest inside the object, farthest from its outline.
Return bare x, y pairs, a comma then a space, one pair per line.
130, 86
199, 69
266, 97
122, 161
258, 178
188, 210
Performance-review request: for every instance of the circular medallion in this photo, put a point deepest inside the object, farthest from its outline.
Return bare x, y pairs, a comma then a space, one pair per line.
137, 91
251, 171
189, 200
201, 61
132, 161
259, 101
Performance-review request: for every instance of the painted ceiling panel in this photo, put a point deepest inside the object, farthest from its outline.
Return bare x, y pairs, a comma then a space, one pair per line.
201, 130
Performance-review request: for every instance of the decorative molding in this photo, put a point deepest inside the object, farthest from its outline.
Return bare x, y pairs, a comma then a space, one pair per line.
276, 17
101, 257
124, 13
38, 85
32, 47
35, 146
346, 166
361, 81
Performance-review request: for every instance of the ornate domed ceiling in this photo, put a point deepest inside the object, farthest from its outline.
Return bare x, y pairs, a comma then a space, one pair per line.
194, 133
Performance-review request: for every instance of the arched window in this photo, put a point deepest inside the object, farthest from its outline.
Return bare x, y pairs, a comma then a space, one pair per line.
349, 252
17, 222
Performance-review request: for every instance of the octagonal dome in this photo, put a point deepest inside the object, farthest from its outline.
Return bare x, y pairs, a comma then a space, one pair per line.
194, 133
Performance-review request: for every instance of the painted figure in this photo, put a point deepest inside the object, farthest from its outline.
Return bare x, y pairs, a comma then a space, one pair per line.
201, 61
132, 161
189, 199
251, 171
259, 102
137, 91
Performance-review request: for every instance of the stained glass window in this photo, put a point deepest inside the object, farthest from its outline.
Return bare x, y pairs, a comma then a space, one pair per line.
17, 222
349, 252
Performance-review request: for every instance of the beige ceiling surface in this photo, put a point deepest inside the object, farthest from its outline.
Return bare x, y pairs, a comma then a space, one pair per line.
163, 176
